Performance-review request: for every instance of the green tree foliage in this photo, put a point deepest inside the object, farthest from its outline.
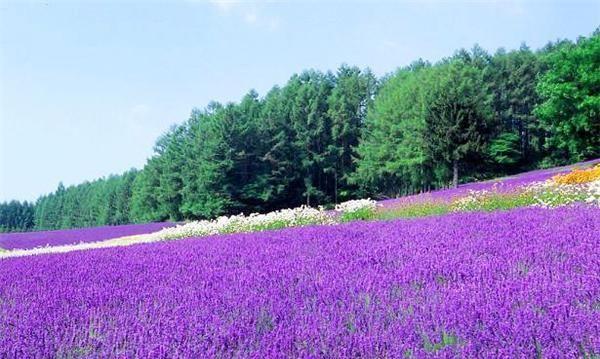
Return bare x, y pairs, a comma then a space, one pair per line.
16, 216
457, 115
105, 201
348, 103
144, 199
505, 149
204, 169
293, 146
392, 156
312, 125
278, 182
511, 77
570, 91
322, 138
169, 162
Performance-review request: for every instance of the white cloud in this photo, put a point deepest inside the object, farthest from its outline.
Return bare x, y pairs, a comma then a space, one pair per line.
515, 8
511, 7
223, 5
251, 17
248, 12
389, 44
274, 23
140, 110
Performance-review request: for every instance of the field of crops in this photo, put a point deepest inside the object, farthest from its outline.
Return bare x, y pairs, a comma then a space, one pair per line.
506, 184
505, 268
522, 283
29, 240
467, 197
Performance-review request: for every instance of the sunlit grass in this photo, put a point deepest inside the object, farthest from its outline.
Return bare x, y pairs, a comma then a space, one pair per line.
363, 214
414, 210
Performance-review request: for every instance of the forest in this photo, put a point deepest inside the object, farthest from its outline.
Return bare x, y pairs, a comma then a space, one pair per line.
326, 137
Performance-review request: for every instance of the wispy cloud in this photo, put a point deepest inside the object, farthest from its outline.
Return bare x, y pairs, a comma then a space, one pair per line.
389, 44
514, 7
274, 23
248, 12
139, 110
251, 17
223, 5
511, 7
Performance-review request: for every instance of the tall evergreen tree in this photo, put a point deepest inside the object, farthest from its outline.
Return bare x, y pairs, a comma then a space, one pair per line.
323, 138
570, 92
144, 200
348, 103
16, 216
457, 116
279, 177
392, 153
312, 132
512, 79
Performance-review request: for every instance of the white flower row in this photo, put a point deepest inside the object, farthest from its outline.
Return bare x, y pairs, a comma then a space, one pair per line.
594, 193
550, 194
115, 242
300, 216
472, 200
356, 205
295, 217
546, 194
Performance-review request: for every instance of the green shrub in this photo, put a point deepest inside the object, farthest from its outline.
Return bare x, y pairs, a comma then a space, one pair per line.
414, 210
362, 214
492, 201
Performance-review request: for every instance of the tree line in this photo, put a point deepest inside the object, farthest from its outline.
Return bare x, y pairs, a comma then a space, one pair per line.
326, 137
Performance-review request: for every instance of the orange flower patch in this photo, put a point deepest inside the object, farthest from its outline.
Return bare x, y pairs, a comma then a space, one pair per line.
579, 176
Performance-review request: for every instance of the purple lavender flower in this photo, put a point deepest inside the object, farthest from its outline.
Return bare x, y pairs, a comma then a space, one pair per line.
71, 236
515, 283
506, 184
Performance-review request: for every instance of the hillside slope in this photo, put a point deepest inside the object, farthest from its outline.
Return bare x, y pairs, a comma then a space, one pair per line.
502, 284
437, 202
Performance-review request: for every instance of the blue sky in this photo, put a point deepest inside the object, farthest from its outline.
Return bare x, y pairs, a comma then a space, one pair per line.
87, 87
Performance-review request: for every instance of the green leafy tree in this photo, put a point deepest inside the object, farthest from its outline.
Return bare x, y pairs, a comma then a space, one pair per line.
506, 149
347, 107
457, 116
312, 126
391, 156
16, 216
144, 200
279, 177
512, 77
207, 192
570, 92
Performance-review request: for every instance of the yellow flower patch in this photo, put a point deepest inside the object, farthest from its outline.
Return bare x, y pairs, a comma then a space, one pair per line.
579, 176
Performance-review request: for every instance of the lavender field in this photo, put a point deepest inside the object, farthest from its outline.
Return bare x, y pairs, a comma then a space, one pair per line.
299, 179
505, 184
520, 283
29, 240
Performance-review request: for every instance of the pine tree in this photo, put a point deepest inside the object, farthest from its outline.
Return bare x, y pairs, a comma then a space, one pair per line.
391, 156
570, 92
347, 108
457, 115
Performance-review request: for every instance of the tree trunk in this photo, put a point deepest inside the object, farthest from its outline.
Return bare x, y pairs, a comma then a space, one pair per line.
336, 187
455, 173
